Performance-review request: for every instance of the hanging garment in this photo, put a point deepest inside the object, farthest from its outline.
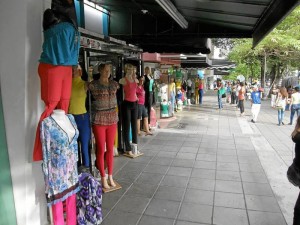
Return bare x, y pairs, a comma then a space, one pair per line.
60, 156
89, 201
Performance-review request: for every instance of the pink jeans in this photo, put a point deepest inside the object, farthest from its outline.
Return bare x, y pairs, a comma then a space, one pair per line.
58, 212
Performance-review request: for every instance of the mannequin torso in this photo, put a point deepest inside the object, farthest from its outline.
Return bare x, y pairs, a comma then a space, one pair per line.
64, 122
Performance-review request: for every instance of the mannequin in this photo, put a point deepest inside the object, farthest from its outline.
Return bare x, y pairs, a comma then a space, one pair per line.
149, 89
142, 111
129, 107
60, 53
172, 94
59, 145
189, 91
78, 110
196, 91
104, 120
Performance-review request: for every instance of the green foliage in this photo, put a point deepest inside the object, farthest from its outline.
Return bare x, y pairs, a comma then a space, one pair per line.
281, 47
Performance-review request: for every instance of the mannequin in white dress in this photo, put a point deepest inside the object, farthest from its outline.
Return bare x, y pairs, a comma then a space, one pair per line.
64, 122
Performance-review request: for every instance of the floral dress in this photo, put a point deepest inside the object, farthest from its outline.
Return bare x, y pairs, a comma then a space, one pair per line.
89, 201
60, 158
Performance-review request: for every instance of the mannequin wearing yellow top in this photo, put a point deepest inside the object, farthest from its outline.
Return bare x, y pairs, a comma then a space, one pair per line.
78, 109
196, 91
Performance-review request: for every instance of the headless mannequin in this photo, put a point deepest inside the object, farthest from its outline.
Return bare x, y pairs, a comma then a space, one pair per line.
129, 77
63, 121
149, 87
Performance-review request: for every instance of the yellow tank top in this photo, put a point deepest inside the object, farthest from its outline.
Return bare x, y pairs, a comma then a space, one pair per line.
78, 96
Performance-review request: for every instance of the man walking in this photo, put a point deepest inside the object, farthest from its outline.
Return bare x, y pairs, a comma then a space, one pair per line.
255, 103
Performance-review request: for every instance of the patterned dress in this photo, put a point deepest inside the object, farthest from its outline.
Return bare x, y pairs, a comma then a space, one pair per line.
60, 158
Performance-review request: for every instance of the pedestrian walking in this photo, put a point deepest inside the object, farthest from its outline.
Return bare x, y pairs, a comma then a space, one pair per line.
241, 97
274, 95
201, 91
295, 104
280, 104
233, 93
221, 92
255, 103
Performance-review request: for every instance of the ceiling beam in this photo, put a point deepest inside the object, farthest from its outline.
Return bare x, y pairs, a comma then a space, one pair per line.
273, 16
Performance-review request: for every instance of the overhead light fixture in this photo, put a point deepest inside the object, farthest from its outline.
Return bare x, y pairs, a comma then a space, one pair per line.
168, 6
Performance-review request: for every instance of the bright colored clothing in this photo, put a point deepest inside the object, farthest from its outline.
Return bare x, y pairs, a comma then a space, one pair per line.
296, 98
78, 97
255, 96
61, 45
60, 158
200, 86
151, 85
104, 107
130, 91
241, 95
140, 93
58, 211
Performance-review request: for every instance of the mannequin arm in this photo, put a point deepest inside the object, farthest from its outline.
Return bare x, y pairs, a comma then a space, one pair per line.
122, 81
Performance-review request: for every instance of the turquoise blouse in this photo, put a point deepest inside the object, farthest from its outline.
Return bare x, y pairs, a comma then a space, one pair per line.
61, 45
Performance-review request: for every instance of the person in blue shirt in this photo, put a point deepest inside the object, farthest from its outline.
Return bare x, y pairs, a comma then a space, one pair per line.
255, 103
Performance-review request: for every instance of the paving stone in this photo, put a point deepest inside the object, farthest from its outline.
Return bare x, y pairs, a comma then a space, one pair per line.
133, 204
229, 186
262, 203
257, 189
188, 223
207, 157
169, 193
265, 218
174, 181
151, 220
227, 166
167, 154
180, 171
163, 161
162, 208
229, 200
205, 165
151, 168
185, 149
186, 155
254, 177
199, 197
121, 218
202, 184
149, 178
195, 213
228, 175
143, 190
188, 143
183, 163
204, 173
229, 216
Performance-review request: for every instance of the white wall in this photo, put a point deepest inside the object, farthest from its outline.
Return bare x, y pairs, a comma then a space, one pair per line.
93, 19
20, 47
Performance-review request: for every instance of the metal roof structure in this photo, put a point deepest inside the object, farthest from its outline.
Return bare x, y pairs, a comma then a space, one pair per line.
150, 25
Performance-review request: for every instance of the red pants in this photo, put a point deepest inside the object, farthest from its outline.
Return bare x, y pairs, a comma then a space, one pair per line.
58, 212
56, 84
105, 135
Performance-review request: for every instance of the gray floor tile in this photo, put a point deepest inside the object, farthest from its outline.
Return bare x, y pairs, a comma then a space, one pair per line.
151, 220
149, 152
174, 143
151, 168
187, 149
174, 181
228, 175
170, 148
189, 163
189, 143
179, 171
149, 178
257, 189
133, 204
251, 167
204, 173
207, 157
187, 223
127, 176
162, 208
199, 197
195, 213
208, 144
254, 177
229, 186
246, 153
186, 155
205, 165
229, 200
144, 190
202, 184
248, 159
108, 201
211, 151
193, 139
121, 218
265, 218
262, 203
169, 193
161, 161
144, 159
229, 216
227, 166
226, 146
227, 158
167, 154
134, 166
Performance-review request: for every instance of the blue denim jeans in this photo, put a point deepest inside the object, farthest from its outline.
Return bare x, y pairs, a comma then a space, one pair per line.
200, 96
220, 101
293, 111
280, 116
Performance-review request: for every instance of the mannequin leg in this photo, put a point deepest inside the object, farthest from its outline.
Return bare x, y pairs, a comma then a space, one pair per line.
126, 125
66, 90
139, 126
100, 136
133, 120
51, 87
58, 214
146, 126
110, 138
71, 210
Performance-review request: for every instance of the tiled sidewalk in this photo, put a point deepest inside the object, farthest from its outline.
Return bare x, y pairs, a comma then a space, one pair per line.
207, 167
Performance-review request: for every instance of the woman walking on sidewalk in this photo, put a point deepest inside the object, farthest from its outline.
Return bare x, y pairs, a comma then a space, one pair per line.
255, 103
241, 97
280, 104
295, 104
